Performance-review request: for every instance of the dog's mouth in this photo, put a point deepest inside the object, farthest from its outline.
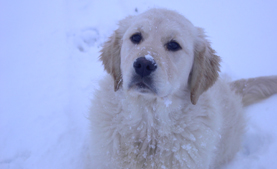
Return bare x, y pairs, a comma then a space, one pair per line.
142, 85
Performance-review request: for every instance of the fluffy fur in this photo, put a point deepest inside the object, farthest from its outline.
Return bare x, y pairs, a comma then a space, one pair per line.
187, 117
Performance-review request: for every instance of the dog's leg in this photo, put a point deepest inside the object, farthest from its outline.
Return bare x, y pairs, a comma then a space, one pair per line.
255, 89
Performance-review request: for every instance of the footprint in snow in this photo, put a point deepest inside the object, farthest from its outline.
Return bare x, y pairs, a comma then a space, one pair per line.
86, 38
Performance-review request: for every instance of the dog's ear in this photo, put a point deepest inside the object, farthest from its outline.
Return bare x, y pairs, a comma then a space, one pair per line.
110, 57
110, 53
205, 67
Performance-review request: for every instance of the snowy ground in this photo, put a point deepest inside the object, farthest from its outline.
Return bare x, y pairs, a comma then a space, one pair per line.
49, 69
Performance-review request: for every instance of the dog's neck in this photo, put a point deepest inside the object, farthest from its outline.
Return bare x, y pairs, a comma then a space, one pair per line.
143, 123
153, 112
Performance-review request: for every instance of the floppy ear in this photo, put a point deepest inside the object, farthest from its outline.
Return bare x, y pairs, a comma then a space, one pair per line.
110, 57
205, 67
110, 54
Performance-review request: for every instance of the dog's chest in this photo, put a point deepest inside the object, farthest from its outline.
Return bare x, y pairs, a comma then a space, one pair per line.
148, 132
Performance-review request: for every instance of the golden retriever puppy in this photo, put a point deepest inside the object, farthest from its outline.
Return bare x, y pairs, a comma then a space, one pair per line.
162, 105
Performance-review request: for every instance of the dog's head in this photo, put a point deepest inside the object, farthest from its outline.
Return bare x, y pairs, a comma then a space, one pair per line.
159, 53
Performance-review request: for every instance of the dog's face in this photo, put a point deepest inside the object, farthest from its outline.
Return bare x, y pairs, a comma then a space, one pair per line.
156, 55
159, 53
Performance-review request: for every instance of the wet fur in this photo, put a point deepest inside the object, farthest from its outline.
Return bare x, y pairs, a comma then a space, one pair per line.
195, 120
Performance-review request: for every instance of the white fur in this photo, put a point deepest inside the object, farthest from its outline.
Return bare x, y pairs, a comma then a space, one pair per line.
127, 129
136, 130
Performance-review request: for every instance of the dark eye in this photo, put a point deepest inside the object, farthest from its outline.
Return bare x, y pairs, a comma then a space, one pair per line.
173, 46
136, 38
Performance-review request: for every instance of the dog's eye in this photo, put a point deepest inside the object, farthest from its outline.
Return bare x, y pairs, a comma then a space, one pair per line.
173, 46
136, 38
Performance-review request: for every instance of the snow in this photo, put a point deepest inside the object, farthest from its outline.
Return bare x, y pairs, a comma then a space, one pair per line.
167, 101
49, 68
149, 58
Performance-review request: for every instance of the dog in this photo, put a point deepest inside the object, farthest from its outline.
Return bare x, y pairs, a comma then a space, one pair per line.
162, 103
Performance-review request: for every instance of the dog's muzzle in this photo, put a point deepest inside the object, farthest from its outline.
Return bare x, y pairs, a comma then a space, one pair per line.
143, 77
144, 66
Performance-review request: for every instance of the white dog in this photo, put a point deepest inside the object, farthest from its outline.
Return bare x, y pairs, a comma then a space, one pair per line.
162, 104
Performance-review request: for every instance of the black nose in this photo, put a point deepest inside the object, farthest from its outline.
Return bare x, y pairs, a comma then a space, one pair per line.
144, 67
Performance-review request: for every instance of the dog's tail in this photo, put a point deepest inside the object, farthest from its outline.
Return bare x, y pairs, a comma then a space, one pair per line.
255, 89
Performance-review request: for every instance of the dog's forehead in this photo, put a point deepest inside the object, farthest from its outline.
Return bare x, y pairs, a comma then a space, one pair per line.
163, 17
157, 27
156, 20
